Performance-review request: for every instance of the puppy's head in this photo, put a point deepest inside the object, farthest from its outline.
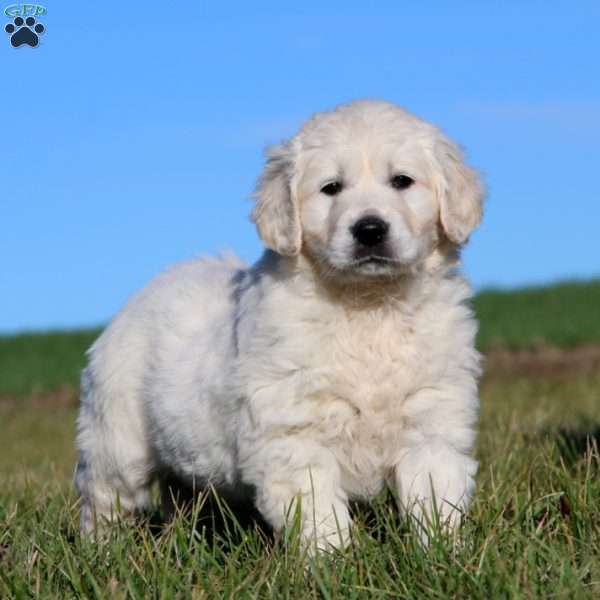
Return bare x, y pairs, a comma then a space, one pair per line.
366, 190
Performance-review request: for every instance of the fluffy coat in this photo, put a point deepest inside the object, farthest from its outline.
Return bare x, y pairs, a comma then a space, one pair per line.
313, 376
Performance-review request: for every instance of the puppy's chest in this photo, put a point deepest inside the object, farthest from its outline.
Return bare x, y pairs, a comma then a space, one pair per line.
361, 376
364, 369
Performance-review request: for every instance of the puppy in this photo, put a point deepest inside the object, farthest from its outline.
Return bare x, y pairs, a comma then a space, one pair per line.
342, 361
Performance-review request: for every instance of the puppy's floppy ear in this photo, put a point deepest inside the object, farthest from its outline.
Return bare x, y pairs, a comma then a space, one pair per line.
277, 214
461, 193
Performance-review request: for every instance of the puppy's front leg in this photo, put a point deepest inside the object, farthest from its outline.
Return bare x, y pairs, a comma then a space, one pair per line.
434, 471
291, 474
433, 480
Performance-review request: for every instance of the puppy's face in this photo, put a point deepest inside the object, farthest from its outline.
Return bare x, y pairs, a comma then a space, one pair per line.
367, 206
364, 191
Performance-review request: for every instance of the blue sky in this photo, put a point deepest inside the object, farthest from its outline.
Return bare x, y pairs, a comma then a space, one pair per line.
132, 136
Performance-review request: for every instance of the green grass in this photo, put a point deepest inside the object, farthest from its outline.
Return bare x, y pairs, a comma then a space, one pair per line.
38, 362
562, 315
533, 531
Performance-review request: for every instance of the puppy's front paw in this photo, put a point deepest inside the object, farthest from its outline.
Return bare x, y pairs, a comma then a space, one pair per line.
310, 503
434, 485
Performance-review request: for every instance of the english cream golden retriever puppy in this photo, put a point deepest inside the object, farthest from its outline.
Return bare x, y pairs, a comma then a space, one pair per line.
342, 361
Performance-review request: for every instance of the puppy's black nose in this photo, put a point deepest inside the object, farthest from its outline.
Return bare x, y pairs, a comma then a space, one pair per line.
370, 231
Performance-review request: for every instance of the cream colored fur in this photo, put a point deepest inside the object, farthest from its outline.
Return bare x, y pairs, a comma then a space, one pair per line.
310, 375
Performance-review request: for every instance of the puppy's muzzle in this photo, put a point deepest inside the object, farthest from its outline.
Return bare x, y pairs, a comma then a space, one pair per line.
370, 236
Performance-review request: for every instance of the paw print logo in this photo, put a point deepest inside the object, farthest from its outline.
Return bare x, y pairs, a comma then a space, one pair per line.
24, 32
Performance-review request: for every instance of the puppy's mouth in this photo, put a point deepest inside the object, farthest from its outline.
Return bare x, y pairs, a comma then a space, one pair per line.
356, 263
373, 259
374, 264
378, 255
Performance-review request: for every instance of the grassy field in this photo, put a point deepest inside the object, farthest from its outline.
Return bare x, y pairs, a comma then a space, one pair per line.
40, 362
563, 315
533, 531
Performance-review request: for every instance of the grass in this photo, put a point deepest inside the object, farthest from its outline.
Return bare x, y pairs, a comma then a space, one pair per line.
533, 532
563, 315
33, 363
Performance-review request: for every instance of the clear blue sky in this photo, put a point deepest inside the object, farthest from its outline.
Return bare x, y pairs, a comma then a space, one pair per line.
132, 136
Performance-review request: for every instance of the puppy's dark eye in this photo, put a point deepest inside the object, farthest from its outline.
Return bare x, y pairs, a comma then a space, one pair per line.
401, 182
332, 189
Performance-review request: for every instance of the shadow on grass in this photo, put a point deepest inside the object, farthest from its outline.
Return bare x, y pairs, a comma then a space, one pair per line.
225, 521
217, 518
574, 444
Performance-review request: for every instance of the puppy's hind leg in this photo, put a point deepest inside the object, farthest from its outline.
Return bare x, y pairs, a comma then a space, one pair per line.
115, 468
